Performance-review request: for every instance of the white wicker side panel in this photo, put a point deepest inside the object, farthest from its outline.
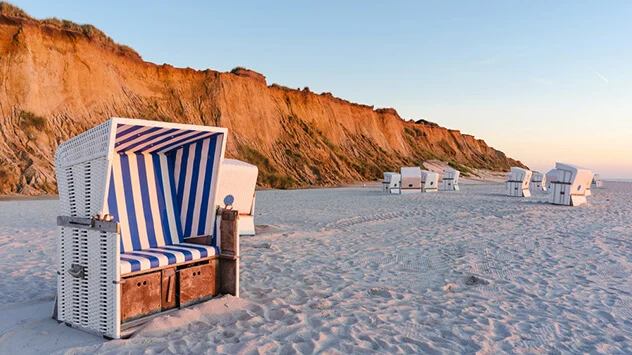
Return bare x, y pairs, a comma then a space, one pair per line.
103, 286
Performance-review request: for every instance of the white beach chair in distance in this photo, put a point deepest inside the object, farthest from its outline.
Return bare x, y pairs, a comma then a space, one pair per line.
596, 182
411, 180
429, 181
517, 184
570, 187
140, 232
239, 180
551, 177
538, 183
391, 183
450, 180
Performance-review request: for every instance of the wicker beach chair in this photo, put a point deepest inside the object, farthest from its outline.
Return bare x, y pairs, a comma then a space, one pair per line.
517, 184
571, 186
429, 181
538, 183
140, 231
450, 180
411, 180
391, 182
239, 180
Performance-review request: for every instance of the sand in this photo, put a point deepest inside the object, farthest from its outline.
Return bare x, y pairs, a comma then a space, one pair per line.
352, 270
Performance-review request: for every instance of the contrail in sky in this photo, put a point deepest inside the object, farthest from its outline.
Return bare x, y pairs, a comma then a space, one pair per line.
601, 76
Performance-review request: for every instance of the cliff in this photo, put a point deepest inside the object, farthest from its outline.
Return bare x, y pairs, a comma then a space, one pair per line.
59, 79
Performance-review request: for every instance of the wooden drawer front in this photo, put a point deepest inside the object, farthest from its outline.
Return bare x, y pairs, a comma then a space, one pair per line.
168, 298
140, 296
197, 282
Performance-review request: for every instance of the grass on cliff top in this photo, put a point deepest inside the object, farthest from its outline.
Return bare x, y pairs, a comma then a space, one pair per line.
89, 31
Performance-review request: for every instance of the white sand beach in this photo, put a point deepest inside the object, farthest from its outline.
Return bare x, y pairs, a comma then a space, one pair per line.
351, 270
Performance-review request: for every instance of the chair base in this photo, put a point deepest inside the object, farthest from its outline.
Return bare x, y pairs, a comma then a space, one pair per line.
246, 225
409, 191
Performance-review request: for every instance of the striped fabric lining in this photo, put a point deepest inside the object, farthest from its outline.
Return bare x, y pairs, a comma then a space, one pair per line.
195, 169
146, 139
142, 260
140, 197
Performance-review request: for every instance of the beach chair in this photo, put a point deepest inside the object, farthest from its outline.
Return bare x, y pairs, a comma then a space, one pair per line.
429, 181
596, 182
538, 183
411, 180
450, 180
391, 182
571, 185
140, 232
517, 184
239, 180
550, 177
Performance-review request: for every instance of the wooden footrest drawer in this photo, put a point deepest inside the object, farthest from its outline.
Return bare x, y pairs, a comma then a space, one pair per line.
197, 282
140, 296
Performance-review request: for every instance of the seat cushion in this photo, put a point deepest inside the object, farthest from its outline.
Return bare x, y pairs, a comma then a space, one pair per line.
153, 258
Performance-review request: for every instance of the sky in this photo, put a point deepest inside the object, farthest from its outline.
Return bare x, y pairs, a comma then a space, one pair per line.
541, 81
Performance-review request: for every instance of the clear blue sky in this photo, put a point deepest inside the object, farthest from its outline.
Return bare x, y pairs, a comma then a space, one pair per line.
540, 80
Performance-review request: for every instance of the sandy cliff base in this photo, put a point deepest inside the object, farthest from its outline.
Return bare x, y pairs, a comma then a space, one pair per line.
352, 270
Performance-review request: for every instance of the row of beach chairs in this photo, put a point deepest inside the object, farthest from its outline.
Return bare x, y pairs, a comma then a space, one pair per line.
414, 180
567, 184
151, 219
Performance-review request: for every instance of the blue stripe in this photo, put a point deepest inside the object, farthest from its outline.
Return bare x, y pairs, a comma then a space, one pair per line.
170, 256
112, 205
153, 260
208, 179
133, 137
167, 134
203, 250
177, 145
171, 161
183, 175
193, 198
127, 132
188, 256
135, 264
144, 191
129, 200
166, 230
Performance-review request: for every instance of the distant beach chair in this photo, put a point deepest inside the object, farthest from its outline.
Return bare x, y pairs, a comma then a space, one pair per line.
140, 231
411, 180
596, 182
517, 184
239, 180
550, 177
571, 185
391, 183
429, 181
450, 180
538, 183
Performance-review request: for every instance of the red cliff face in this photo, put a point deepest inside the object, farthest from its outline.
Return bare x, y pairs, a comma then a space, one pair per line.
59, 79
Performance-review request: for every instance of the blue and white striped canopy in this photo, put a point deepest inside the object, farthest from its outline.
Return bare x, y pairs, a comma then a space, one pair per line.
162, 184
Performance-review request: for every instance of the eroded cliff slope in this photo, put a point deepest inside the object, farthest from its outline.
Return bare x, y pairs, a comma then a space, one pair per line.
58, 79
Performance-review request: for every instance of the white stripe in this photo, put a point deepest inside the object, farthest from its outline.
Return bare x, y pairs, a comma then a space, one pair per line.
178, 165
153, 199
204, 136
187, 188
169, 141
120, 203
179, 255
134, 141
121, 129
209, 249
125, 266
200, 188
169, 201
138, 201
145, 264
143, 147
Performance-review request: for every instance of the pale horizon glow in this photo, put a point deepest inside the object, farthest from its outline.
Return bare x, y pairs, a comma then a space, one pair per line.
541, 81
